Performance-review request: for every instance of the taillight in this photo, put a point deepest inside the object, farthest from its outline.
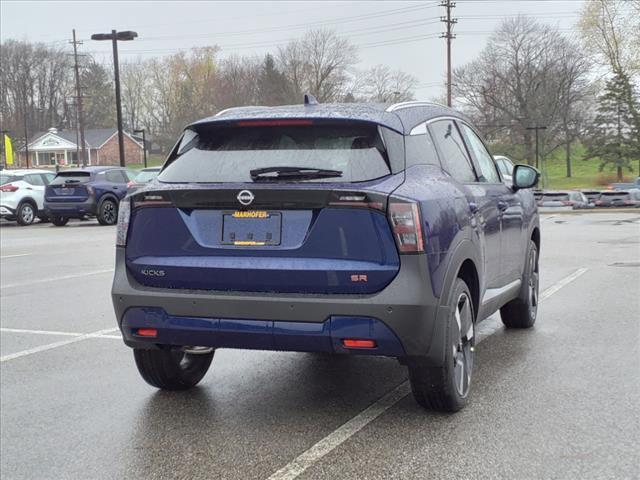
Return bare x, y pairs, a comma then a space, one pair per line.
599, 202
124, 217
8, 188
131, 183
90, 189
406, 226
151, 200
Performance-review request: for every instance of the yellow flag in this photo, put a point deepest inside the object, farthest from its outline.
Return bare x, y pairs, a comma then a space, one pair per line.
8, 150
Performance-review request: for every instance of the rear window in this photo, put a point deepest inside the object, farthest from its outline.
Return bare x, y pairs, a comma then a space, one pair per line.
615, 196
4, 178
71, 177
229, 153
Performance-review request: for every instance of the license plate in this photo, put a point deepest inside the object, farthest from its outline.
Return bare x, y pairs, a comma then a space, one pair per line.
251, 228
65, 191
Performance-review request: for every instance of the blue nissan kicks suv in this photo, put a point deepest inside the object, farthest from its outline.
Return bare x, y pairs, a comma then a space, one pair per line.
90, 191
346, 229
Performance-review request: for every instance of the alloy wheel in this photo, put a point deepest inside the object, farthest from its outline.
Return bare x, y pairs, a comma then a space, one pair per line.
534, 282
27, 214
463, 345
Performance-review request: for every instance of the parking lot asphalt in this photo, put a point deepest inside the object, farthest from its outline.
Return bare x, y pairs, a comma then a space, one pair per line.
557, 401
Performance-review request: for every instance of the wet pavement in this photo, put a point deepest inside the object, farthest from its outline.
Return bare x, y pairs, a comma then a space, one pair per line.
557, 401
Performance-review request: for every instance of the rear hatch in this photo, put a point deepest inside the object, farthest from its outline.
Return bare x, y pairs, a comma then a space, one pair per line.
555, 200
270, 207
614, 199
69, 186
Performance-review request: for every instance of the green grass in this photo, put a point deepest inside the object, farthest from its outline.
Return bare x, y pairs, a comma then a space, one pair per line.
584, 173
153, 160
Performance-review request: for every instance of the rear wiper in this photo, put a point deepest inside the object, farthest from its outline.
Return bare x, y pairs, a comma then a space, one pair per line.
269, 174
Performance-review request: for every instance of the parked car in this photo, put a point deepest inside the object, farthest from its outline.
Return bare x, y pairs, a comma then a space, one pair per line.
627, 185
22, 194
619, 198
90, 191
143, 177
345, 229
505, 165
592, 195
568, 200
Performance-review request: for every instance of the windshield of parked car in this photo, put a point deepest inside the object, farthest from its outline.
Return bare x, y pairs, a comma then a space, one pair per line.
230, 153
71, 177
146, 176
555, 197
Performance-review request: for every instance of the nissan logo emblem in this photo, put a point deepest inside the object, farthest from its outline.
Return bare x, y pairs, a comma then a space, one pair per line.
245, 197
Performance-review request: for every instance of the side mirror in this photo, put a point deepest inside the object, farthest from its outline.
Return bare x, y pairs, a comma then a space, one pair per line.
525, 176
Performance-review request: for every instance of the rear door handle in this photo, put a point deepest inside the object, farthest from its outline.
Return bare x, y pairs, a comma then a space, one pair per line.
502, 206
473, 207
115, 188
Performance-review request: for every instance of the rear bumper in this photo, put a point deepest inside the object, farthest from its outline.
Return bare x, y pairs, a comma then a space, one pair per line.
405, 310
7, 211
71, 209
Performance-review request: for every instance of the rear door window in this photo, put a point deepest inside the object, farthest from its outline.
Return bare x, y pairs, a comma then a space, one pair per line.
455, 159
115, 176
229, 153
483, 157
34, 179
420, 149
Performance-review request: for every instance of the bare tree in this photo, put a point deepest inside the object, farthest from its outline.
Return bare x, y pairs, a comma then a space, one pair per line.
527, 75
381, 84
318, 64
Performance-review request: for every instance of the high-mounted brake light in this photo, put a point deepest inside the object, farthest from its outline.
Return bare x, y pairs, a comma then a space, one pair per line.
8, 188
406, 225
124, 217
273, 123
151, 200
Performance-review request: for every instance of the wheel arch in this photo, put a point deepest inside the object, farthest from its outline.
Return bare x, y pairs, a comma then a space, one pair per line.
30, 200
535, 236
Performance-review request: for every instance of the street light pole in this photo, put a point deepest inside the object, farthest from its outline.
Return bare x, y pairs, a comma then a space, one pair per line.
114, 36
144, 144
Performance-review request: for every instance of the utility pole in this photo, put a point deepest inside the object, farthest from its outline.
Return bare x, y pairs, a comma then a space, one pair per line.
114, 36
537, 128
448, 5
144, 144
26, 132
80, 115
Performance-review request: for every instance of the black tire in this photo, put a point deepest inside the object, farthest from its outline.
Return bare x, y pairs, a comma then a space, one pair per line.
26, 213
522, 312
43, 218
59, 221
108, 212
172, 369
446, 387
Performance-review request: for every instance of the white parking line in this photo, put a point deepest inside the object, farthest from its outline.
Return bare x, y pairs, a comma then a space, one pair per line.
61, 343
14, 256
55, 279
306, 459
40, 332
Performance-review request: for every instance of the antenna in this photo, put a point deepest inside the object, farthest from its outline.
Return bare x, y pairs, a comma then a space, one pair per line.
310, 100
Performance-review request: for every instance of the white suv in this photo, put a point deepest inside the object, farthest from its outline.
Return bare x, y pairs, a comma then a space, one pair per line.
22, 194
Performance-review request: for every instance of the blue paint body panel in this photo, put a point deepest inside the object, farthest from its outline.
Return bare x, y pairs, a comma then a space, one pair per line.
319, 251
262, 334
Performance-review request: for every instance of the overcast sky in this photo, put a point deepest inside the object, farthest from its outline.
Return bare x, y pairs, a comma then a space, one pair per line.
401, 34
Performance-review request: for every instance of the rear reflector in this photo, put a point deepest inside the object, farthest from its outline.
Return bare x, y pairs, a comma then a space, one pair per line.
147, 332
354, 343
406, 226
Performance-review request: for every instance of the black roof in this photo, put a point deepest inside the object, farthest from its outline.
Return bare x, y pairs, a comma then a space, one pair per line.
401, 117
